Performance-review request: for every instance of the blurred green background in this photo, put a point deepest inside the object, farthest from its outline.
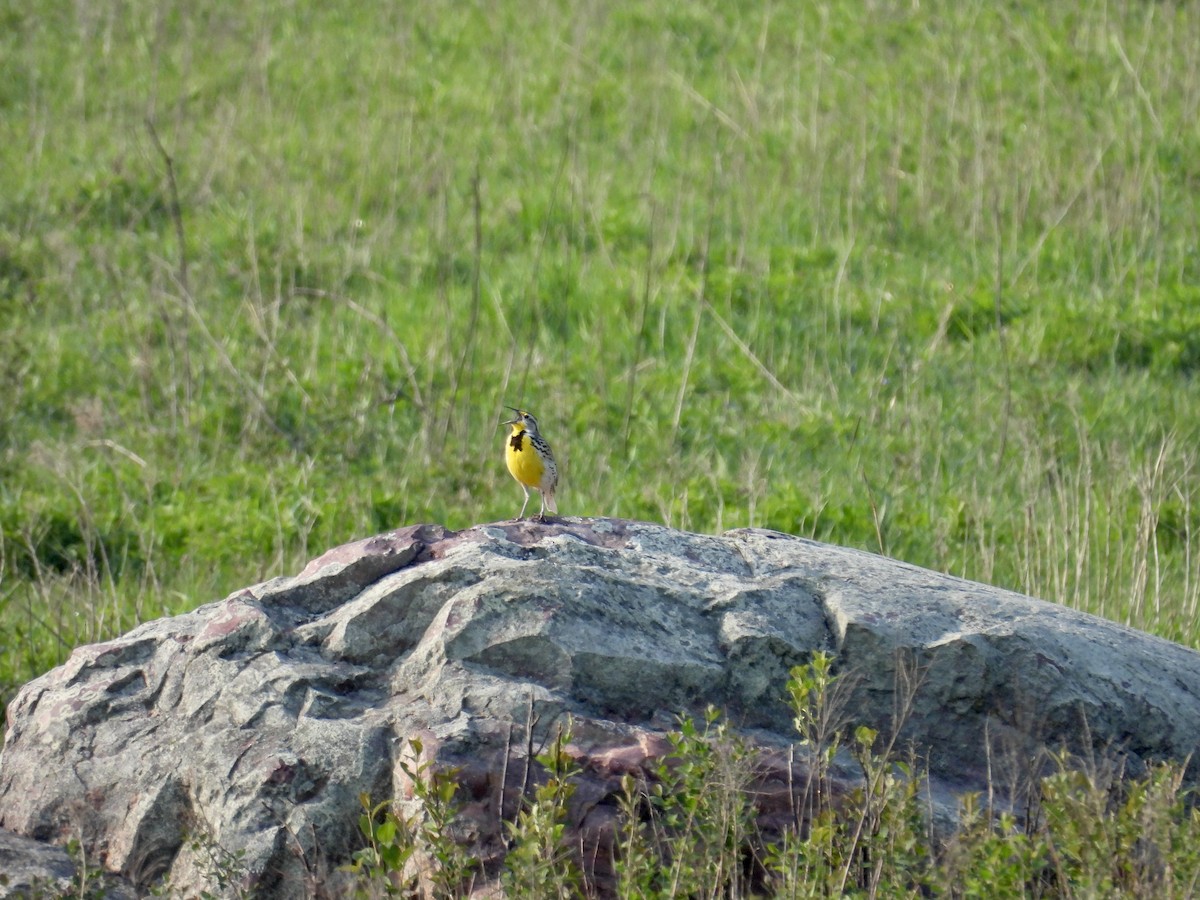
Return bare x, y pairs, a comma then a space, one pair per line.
919, 277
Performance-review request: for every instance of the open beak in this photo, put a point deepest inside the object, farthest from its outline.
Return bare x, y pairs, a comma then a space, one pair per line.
512, 421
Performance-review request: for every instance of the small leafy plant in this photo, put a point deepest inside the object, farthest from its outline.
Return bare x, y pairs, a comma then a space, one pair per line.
394, 840
539, 862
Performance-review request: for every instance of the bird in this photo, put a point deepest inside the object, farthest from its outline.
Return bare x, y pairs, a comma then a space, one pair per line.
531, 461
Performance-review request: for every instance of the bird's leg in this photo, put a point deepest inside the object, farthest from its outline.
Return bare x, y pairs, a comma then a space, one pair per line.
525, 504
541, 517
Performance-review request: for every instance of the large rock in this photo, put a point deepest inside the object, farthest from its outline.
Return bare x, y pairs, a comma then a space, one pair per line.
255, 723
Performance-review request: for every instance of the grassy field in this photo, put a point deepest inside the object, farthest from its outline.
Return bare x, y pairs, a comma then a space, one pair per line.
922, 278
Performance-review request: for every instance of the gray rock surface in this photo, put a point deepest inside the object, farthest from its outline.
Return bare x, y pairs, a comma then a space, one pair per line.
30, 868
255, 722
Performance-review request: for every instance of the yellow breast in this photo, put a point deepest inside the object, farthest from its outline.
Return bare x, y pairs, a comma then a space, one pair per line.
523, 460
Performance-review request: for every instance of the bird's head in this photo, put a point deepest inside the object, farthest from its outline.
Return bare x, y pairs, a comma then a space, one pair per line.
523, 422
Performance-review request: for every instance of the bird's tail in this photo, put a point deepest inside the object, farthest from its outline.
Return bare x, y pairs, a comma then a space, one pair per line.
550, 504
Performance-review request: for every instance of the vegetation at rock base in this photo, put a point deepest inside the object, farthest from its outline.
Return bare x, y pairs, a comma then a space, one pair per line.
690, 830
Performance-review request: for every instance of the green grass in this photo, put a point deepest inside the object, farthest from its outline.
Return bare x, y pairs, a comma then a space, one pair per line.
924, 280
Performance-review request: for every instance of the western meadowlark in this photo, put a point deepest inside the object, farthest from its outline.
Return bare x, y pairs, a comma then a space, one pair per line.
531, 461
